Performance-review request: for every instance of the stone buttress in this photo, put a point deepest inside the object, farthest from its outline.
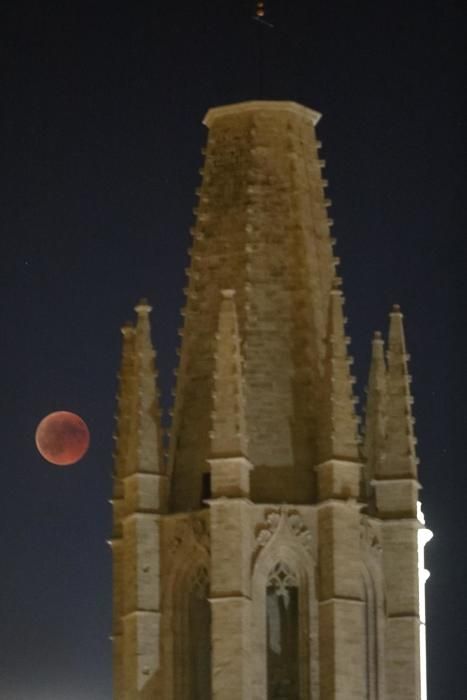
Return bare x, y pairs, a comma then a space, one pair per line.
140, 497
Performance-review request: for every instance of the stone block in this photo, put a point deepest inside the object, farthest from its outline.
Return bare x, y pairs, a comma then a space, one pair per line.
230, 478
146, 493
338, 479
231, 657
396, 498
231, 542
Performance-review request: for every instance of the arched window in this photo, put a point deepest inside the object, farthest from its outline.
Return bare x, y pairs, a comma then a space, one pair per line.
285, 630
199, 630
282, 619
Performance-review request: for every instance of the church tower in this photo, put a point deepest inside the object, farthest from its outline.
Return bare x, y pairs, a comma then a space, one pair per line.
275, 554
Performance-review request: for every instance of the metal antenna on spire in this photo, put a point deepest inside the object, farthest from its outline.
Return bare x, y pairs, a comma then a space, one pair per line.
259, 16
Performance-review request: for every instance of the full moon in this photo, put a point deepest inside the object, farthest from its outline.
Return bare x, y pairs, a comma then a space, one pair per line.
62, 438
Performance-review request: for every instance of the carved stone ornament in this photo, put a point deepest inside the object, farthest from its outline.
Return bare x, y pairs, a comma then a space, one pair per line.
193, 526
294, 521
200, 530
369, 537
200, 583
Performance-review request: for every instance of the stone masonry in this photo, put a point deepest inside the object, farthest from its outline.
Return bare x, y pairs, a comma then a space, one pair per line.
275, 554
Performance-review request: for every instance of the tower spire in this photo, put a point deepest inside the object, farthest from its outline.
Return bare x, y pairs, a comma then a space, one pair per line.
338, 433
148, 453
374, 445
395, 489
262, 200
395, 478
228, 436
121, 454
400, 446
140, 470
230, 468
124, 400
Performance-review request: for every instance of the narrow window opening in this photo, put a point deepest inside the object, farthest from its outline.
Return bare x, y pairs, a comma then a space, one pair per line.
282, 614
371, 638
205, 486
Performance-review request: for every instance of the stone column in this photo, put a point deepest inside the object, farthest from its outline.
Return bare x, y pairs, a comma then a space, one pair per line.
230, 599
341, 604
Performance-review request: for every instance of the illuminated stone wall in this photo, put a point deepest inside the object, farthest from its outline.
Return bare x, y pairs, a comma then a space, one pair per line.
275, 554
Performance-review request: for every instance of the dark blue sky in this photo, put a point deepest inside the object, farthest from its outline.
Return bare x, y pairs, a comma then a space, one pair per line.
100, 139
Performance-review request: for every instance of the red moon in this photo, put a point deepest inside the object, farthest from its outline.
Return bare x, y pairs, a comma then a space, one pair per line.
62, 438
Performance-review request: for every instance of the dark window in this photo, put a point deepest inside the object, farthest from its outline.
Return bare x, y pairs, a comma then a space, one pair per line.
205, 486
282, 634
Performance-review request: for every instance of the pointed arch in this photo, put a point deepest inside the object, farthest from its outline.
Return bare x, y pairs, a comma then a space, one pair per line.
282, 633
198, 641
192, 633
285, 561
185, 584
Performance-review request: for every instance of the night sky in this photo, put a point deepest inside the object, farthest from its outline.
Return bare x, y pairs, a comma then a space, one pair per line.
101, 136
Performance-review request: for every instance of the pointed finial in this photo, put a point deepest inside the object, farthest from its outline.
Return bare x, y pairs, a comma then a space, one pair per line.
145, 443
375, 418
401, 460
125, 397
143, 307
339, 433
228, 435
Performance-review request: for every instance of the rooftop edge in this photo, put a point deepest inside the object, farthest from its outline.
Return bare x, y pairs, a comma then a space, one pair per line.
261, 106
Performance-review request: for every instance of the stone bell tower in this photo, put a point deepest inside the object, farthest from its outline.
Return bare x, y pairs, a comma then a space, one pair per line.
275, 555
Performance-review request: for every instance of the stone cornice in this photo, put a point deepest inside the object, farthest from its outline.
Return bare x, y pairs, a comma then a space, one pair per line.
261, 106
